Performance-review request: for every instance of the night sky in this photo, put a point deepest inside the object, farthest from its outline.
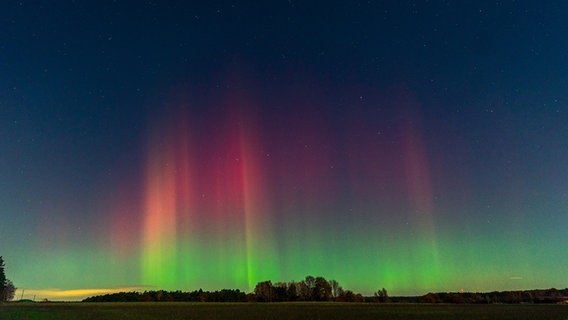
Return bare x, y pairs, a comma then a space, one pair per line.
413, 145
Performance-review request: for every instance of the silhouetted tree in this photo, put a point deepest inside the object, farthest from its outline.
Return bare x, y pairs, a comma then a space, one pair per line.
349, 296
304, 291
308, 290
9, 291
322, 290
3, 280
382, 295
340, 291
264, 291
280, 292
292, 293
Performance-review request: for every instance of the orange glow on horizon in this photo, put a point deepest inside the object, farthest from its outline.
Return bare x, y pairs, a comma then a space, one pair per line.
70, 295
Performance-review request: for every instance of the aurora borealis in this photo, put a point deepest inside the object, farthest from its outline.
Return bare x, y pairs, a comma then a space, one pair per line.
417, 146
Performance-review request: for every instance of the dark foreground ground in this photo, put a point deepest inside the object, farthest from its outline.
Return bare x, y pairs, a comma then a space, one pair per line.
327, 311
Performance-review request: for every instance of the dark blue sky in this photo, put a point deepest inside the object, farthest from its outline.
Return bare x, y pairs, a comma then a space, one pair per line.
80, 78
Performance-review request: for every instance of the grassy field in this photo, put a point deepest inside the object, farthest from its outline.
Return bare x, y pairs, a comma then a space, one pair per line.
327, 311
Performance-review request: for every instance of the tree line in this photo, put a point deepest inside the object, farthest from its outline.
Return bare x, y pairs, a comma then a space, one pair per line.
309, 289
319, 289
225, 295
509, 297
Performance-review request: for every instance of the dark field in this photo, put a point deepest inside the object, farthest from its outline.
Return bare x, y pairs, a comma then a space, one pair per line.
327, 311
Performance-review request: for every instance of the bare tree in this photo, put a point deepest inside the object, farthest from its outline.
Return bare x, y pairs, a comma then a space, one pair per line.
310, 282
334, 288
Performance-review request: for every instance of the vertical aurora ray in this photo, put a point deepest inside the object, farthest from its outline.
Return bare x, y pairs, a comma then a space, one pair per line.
419, 190
303, 196
390, 196
207, 219
261, 255
160, 217
223, 213
167, 205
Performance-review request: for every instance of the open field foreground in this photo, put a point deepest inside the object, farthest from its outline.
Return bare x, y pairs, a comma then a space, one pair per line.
172, 311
